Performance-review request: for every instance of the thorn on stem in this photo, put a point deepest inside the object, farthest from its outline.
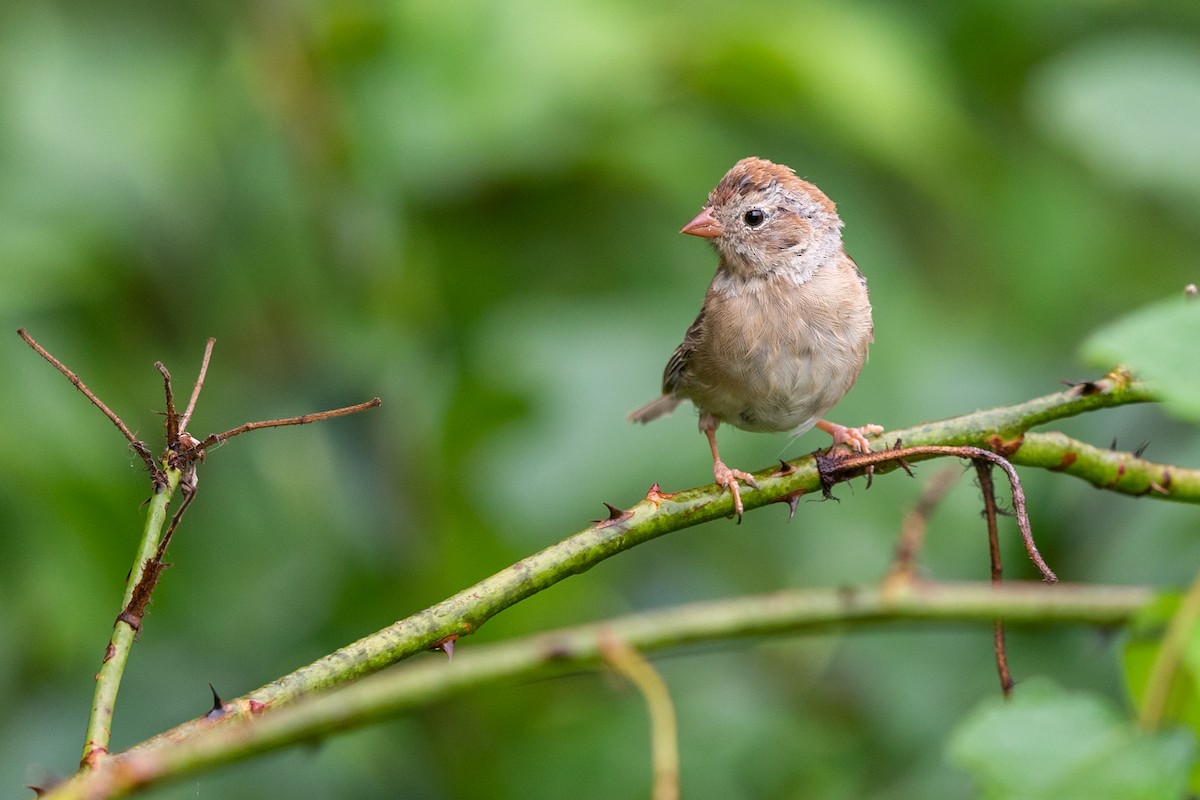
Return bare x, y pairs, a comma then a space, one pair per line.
218, 706
49, 783
446, 645
656, 495
784, 469
1084, 388
793, 500
615, 515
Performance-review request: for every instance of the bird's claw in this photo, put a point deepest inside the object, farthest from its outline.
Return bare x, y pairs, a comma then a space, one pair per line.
854, 438
728, 479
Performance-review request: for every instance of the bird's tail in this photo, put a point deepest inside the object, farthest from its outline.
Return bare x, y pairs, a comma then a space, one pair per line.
654, 409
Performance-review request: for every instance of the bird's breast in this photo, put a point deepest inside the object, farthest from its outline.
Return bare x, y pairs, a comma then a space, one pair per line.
777, 356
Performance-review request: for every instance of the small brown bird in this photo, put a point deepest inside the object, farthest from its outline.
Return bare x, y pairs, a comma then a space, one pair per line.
786, 322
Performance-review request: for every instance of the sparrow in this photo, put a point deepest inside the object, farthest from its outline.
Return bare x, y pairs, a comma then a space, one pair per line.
786, 322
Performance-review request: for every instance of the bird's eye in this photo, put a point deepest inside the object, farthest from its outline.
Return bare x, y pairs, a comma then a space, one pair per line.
755, 217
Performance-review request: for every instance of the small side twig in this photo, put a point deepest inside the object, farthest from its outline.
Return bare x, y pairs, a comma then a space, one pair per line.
135, 608
984, 471
191, 406
912, 529
303, 419
187, 487
172, 414
139, 446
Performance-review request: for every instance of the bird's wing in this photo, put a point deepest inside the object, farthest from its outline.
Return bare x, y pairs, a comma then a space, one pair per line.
672, 375
678, 362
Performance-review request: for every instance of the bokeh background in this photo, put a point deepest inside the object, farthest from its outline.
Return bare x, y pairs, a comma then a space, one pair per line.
471, 210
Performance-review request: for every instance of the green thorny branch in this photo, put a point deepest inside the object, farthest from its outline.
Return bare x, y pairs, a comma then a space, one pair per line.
207, 743
1003, 432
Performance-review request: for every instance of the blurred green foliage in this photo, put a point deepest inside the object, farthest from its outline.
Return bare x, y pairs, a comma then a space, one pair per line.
1048, 744
470, 209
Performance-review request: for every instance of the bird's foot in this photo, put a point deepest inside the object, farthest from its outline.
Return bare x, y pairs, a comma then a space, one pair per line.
728, 479
854, 438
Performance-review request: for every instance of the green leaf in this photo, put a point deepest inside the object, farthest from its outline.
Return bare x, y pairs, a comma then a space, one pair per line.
1049, 743
1161, 344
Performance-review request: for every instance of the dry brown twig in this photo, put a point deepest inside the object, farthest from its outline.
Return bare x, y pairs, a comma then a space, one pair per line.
191, 406
303, 419
912, 532
182, 452
134, 442
912, 528
987, 487
177, 464
835, 466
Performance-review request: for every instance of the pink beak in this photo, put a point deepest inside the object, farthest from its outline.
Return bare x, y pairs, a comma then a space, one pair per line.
704, 225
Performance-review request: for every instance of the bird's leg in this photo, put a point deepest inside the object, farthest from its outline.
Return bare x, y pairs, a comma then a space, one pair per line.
855, 438
727, 478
